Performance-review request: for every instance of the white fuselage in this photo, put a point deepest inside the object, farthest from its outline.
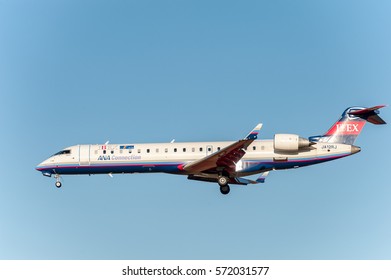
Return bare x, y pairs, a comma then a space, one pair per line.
170, 157
219, 162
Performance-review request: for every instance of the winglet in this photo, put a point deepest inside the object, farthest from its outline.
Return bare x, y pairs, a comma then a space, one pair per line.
254, 133
262, 178
244, 181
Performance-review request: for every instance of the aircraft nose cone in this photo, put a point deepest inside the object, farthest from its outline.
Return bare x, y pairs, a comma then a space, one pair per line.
38, 167
355, 150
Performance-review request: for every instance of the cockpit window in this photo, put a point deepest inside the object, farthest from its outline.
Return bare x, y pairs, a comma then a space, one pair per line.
63, 152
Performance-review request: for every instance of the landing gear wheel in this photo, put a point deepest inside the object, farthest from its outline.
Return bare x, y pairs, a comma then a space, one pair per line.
58, 182
223, 181
224, 189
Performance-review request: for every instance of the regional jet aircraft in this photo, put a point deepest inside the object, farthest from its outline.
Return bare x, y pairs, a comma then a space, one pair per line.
224, 163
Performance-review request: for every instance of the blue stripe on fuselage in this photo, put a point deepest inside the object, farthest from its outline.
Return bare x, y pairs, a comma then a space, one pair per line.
110, 168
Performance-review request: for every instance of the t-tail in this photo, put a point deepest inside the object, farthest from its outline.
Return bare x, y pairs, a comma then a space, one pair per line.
349, 126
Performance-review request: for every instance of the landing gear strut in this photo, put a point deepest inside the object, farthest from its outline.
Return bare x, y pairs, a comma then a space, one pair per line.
58, 183
223, 182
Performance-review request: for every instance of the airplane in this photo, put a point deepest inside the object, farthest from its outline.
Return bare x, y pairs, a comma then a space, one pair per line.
225, 163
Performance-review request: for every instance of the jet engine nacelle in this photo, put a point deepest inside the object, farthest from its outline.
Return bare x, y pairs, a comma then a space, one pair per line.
290, 142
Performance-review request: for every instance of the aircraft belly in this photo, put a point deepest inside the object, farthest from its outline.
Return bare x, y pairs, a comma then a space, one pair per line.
168, 167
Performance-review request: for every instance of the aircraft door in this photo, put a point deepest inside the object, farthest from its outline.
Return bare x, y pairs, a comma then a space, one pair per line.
84, 154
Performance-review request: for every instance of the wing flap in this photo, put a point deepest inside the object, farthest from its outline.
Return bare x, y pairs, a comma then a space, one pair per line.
226, 158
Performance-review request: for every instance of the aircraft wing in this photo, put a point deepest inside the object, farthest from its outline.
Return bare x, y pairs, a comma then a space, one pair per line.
226, 158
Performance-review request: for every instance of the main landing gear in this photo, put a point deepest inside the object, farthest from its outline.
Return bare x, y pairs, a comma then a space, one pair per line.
224, 187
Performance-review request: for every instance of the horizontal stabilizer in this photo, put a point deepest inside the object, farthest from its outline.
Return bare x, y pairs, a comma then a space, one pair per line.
370, 114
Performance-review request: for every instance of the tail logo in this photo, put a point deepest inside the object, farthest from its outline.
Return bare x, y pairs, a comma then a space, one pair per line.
346, 128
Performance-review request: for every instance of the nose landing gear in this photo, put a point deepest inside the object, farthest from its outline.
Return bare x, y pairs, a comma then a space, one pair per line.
58, 183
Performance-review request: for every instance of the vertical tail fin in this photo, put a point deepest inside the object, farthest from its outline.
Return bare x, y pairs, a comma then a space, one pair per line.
349, 126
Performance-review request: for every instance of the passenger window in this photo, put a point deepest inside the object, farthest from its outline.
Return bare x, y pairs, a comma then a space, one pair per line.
218, 148
112, 152
262, 148
201, 149
139, 151
175, 149
193, 150
184, 150
254, 148
104, 152
130, 151
148, 151
157, 150
209, 149
166, 150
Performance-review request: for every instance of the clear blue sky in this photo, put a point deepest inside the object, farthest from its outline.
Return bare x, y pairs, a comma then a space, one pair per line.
78, 72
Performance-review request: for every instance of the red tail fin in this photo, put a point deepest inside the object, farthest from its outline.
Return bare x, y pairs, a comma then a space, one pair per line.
349, 126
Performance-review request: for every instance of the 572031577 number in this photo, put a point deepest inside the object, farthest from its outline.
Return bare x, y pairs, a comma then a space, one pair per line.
250, 271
